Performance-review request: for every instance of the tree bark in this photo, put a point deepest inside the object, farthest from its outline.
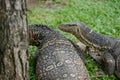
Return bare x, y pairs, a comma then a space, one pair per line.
13, 40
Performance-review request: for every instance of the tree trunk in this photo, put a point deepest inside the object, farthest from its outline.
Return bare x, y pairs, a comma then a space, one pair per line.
13, 40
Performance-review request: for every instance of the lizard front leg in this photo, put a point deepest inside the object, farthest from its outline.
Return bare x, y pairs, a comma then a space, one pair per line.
95, 56
109, 63
117, 72
104, 58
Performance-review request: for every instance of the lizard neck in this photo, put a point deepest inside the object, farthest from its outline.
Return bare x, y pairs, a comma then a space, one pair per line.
91, 38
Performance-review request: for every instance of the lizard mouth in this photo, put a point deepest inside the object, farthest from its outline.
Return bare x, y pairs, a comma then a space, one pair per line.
67, 27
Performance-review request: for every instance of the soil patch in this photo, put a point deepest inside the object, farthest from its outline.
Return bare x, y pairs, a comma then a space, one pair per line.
46, 3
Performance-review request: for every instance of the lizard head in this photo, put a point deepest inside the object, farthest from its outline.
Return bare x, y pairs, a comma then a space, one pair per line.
76, 28
71, 27
37, 33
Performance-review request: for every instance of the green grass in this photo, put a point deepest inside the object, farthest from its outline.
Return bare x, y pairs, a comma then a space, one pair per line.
103, 16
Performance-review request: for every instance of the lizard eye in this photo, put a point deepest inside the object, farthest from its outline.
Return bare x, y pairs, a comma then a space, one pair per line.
77, 30
40, 37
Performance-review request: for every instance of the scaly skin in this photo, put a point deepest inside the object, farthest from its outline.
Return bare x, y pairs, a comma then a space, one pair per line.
107, 48
56, 57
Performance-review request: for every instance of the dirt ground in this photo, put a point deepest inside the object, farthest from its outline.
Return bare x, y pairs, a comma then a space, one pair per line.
45, 3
